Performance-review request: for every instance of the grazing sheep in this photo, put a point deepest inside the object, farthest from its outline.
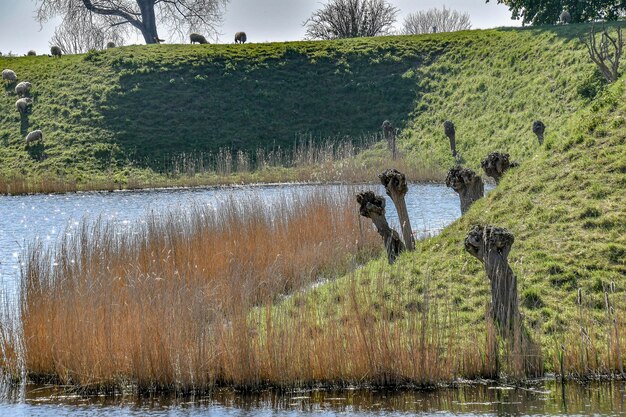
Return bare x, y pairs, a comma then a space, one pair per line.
23, 104
55, 51
565, 17
33, 136
31, 53
110, 44
9, 75
240, 37
196, 37
23, 88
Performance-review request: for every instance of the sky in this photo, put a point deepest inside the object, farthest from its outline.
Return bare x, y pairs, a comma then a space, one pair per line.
262, 20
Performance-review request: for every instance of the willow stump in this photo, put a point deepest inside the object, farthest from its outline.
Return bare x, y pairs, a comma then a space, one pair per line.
396, 187
539, 129
491, 245
373, 207
389, 132
496, 164
467, 184
450, 131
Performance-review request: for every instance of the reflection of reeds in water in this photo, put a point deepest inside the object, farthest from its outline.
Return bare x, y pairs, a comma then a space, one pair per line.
155, 307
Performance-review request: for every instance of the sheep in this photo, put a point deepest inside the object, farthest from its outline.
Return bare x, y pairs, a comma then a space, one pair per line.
196, 37
110, 45
9, 75
23, 104
23, 88
33, 136
240, 37
55, 51
565, 17
31, 53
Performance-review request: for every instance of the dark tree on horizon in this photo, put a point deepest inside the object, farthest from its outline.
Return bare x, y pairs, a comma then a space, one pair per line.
143, 15
545, 12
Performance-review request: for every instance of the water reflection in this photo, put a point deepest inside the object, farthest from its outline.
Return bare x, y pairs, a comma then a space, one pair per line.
542, 399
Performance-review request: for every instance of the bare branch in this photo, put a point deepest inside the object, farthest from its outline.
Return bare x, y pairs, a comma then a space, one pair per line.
351, 19
180, 16
435, 20
79, 35
607, 55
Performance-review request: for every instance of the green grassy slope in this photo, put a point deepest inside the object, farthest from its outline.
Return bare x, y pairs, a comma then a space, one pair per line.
149, 103
565, 205
493, 85
108, 111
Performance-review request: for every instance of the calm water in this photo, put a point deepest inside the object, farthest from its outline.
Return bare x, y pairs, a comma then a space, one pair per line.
542, 399
24, 218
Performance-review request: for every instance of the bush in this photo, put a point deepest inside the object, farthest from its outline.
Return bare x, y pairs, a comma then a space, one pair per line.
591, 85
531, 298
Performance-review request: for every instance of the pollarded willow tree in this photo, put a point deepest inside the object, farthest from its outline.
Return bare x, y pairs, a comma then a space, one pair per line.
541, 12
339, 19
436, 20
143, 15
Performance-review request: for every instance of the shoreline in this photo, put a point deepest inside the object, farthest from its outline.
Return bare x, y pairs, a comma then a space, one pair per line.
221, 186
503, 383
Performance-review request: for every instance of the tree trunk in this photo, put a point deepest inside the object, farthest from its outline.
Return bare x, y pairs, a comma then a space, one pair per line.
491, 245
389, 132
467, 184
450, 131
148, 17
496, 164
539, 129
373, 207
396, 187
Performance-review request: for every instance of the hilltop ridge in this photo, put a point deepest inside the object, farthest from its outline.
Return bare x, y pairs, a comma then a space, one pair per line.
130, 111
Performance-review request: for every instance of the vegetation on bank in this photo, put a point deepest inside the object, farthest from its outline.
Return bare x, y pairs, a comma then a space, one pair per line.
420, 321
159, 305
566, 207
202, 317
123, 117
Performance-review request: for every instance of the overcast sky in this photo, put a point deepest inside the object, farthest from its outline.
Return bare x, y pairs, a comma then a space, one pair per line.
262, 20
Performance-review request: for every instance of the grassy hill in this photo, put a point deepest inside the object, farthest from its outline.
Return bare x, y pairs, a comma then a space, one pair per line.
131, 111
422, 320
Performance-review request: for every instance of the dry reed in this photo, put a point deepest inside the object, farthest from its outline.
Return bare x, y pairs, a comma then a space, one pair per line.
150, 307
339, 160
591, 348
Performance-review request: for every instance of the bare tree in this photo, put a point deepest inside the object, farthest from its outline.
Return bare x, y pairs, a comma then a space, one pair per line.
79, 34
435, 20
351, 19
143, 15
606, 56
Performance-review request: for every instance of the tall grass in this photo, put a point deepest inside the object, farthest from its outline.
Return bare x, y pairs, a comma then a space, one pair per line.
191, 300
149, 307
332, 160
